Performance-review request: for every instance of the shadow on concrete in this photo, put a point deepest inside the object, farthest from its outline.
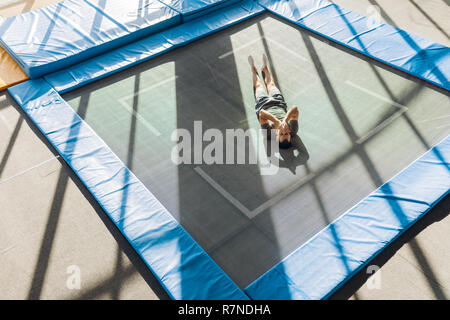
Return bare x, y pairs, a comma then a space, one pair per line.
436, 214
123, 245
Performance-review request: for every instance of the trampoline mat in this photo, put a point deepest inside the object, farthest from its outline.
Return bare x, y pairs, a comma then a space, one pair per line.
360, 124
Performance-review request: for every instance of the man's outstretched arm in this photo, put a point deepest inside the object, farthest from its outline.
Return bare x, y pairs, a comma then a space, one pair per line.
291, 120
292, 114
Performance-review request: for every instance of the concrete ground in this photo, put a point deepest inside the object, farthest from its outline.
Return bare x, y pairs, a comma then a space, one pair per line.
52, 229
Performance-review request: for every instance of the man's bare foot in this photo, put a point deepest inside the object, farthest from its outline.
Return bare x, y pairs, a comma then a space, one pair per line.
251, 61
264, 58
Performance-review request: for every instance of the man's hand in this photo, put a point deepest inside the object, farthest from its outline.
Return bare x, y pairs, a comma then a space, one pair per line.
266, 116
284, 128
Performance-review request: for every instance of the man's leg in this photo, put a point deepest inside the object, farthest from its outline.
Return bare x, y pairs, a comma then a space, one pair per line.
258, 86
259, 90
268, 79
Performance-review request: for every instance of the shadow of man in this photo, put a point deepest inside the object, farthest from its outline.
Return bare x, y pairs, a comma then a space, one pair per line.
293, 157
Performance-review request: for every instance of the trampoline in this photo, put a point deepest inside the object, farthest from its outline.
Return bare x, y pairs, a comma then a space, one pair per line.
239, 233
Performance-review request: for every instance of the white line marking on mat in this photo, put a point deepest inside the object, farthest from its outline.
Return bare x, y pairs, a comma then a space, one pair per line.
264, 206
140, 118
443, 126
381, 126
376, 95
224, 193
433, 119
305, 88
286, 49
29, 169
231, 52
282, 194
386, 122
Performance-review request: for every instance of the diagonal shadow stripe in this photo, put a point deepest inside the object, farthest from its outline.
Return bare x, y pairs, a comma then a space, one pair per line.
9, 148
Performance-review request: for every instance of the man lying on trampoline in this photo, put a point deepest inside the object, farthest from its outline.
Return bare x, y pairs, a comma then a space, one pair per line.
271, 109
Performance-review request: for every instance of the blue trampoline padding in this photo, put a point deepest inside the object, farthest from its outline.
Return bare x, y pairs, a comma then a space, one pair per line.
64, 33
319, 267
150, 47
191, 9
409, 53
181, 265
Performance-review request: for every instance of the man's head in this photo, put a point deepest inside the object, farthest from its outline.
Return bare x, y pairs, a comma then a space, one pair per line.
284, 136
